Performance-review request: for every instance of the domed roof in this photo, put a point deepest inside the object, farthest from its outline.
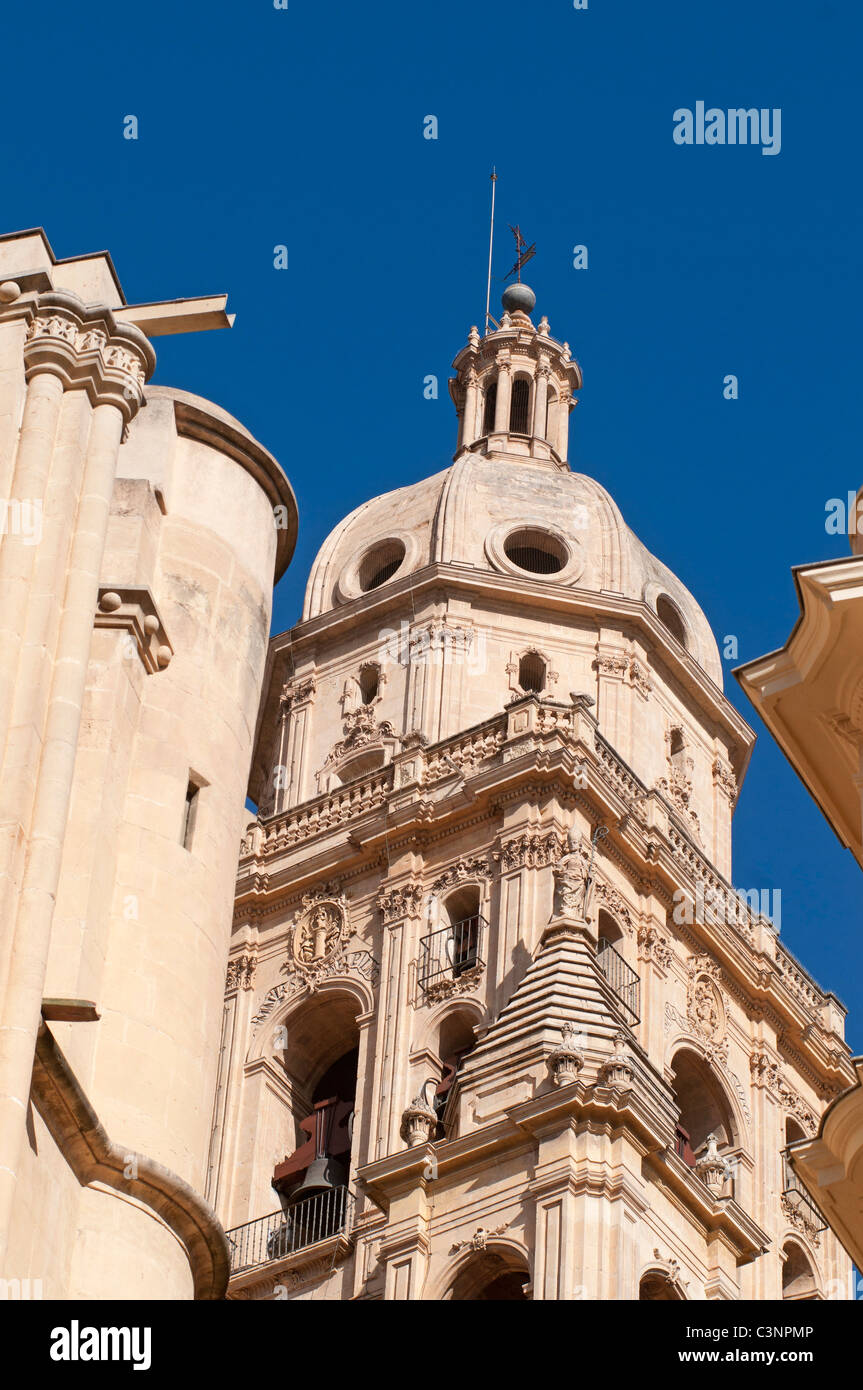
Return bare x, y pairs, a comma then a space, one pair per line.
504, 514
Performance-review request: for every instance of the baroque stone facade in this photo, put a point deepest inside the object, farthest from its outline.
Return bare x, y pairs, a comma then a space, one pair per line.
531, 1041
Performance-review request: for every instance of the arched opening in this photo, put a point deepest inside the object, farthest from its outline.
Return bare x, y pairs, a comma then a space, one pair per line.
657, 1287
609, 930
370, 679
704, 1108
519, 411
532, 673
669, 614
798, 1279
676, 742
456, 1038
491, 1276
490, 409
320, 1057
461, 913
550, 415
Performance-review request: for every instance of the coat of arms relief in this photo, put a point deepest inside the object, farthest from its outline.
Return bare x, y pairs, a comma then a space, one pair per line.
320, 929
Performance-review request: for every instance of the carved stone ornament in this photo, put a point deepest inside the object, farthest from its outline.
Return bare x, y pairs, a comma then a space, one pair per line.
671, 1270
404, 901
617, 1069
712, 1169
532, 850
768, 1073
799, 1215
652, 945
361, 964
241, 972
479, 1240
567, 1059
724, 779
419, 1119
461, 872
705, 1007
319, 931
361, 728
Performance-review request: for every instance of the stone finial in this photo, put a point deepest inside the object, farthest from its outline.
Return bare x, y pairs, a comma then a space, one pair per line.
617, 1069
710, 1167
419, 1119
567, 1059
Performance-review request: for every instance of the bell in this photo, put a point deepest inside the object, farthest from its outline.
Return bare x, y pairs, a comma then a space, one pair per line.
322, 1175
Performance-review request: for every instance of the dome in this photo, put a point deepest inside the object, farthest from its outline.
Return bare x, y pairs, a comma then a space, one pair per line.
537, 524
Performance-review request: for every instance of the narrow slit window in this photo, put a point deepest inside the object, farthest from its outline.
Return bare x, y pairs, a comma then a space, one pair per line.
190, 814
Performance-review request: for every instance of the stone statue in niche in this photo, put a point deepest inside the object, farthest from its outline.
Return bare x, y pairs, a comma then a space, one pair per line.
570, 878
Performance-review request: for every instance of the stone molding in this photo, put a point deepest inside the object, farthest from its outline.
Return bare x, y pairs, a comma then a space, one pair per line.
94, 1158
134, 611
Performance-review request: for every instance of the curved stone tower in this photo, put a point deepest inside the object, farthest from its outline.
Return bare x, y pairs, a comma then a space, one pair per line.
134, 638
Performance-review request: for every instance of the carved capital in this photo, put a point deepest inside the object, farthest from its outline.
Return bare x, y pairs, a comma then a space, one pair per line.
89, 349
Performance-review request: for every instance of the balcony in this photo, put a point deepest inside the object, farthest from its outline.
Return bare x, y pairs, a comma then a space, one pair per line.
798, 1206
282, 1235
452, 957
625, 985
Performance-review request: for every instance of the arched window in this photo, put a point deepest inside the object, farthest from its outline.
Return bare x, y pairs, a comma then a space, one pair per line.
550, 415
320, 1059
370, 679
461, 910
669, 615
491, 1276
490, 408
609, 930
455, 1040
657, 1287
704, 1108
798, 1280
519, 411
676, 741
532, 672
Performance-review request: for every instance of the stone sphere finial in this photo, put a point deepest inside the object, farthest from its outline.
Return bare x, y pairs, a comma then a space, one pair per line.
518, 297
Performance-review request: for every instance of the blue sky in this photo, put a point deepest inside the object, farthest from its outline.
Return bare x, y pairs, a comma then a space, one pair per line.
304, 127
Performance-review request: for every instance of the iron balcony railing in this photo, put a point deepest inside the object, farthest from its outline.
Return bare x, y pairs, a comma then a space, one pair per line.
448, 953
623, 981
796, 1195
283, 1233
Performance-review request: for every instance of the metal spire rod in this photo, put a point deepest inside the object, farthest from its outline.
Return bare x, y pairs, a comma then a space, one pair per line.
490, 245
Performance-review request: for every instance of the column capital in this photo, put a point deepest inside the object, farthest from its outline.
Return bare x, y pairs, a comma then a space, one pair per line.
88, 349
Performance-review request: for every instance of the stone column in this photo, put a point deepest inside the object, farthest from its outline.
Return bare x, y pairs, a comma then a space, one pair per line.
504, 398
540, 401
69, 346
561, 440
468, 424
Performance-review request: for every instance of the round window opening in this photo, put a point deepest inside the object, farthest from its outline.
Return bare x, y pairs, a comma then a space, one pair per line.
536, 551
380, 564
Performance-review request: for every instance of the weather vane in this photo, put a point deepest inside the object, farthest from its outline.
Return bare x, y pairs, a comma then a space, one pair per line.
523, 253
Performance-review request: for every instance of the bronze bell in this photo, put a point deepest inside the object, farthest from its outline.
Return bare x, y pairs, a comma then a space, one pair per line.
322, 1175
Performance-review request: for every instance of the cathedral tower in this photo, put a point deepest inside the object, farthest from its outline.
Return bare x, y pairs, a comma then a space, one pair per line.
497, 1025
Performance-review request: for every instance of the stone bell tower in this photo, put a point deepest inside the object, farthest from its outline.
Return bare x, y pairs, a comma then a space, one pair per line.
515, 387
542, 1048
